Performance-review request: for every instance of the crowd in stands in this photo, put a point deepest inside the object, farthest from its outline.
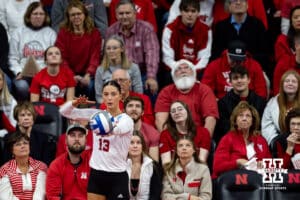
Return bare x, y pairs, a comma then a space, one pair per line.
184, 91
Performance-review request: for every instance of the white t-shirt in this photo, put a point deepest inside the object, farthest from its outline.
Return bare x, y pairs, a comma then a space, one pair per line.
109, 152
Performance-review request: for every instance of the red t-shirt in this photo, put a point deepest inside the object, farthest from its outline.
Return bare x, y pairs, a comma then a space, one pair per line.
151, 135
53, 89
200, 100
201, 140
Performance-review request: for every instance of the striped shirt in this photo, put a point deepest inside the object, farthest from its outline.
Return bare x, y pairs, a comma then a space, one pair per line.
29, 186
142, 46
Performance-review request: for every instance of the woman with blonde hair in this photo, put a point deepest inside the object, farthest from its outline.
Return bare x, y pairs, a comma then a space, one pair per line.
273, 119
115, 58
80, 45
7, 103
242, 146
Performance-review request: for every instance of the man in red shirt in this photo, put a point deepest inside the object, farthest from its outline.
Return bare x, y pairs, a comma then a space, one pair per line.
216, 74
198, 96
68, 175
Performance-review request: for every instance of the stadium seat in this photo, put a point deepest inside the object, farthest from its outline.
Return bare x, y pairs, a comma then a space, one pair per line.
240, 184
289, 189
281, 139
48, 118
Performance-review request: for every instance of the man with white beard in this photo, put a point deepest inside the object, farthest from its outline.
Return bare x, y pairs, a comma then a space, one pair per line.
198, 96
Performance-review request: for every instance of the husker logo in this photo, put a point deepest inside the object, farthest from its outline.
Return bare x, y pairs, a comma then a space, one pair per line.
272, 170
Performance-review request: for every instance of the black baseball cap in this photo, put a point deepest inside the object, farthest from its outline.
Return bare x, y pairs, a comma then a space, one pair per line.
237, 50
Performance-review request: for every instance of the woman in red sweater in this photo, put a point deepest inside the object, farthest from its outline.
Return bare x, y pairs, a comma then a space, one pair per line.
80, 45
242, 145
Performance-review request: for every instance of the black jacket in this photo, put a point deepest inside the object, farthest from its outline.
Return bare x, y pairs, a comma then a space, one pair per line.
252, 33
226, 106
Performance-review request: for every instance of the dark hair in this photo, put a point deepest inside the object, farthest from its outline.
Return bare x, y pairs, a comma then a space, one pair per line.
13, 138
46, 51
171, 125
26, 105
124, 2
295, 112
134, 98
185, 4
170, 167
239, 70
30, 9
112, 83
292, 31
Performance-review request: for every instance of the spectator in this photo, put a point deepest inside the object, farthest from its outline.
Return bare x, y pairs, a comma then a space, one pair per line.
4, 56
241, 26
108, 177
144, 11
7, 101
217, 72
62, 146
55, 83
180, 125
273, 120
287, 62
286, 7
22, 177
29, 42
40, 148
95, 9
291, 142
205, 11
242, 146
12, 14
187, 37
185, 177
122, 77
145, 181
134, 107
141, 42
285, 43
198, 96
255, 8
115, 58
79, 27
68, 175
239, 80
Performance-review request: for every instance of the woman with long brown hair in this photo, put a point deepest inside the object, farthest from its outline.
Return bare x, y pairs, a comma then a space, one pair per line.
80, 45
180, 124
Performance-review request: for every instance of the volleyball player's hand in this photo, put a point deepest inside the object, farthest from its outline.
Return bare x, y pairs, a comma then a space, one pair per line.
82, 99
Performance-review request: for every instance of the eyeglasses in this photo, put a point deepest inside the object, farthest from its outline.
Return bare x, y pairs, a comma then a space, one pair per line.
178, 109
38, 13
75, 14
20, 143
293, 124
121, 80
